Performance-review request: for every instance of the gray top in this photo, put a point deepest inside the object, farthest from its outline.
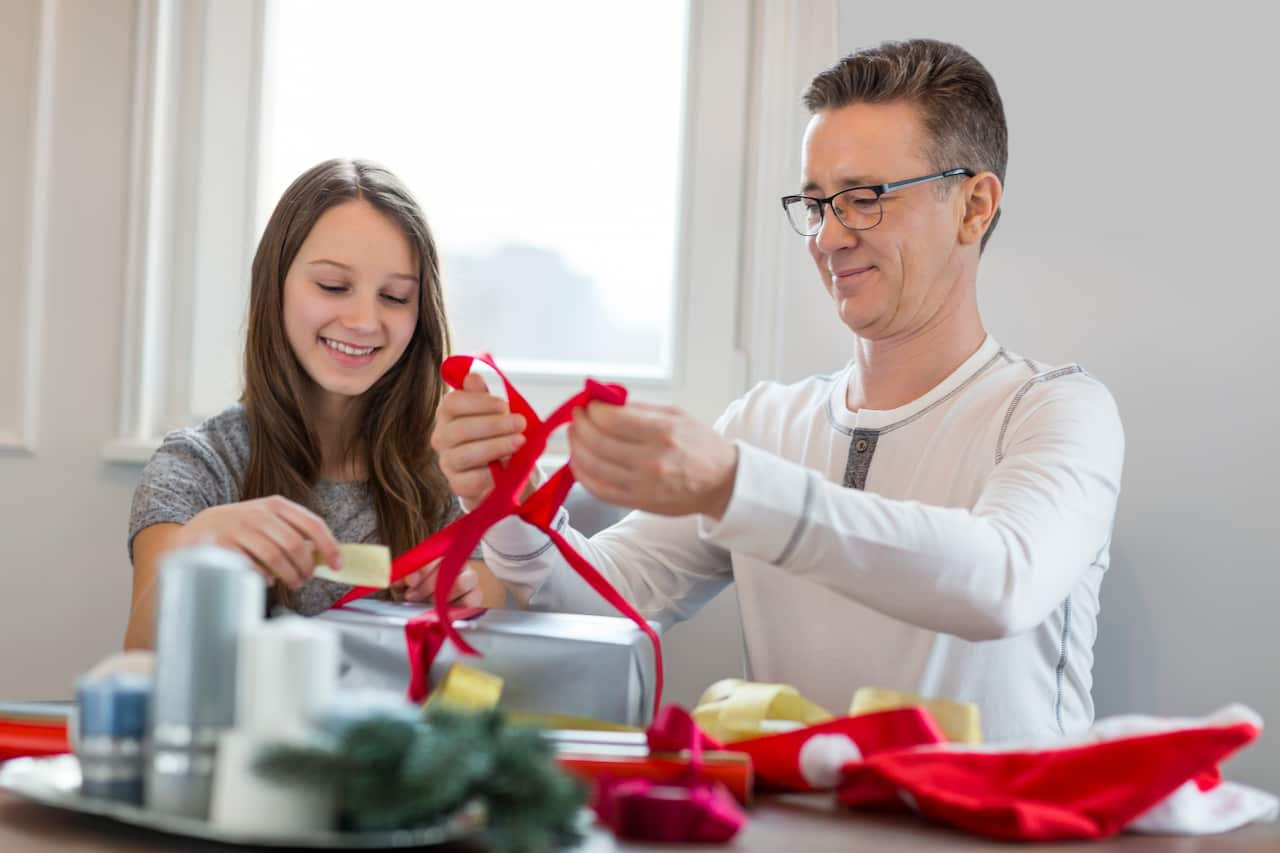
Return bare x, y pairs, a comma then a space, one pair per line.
202, 466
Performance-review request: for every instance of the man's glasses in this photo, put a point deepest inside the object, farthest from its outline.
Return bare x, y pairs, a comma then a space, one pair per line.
857, 208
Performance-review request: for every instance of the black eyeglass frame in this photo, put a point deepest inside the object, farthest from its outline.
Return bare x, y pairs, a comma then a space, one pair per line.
878, 189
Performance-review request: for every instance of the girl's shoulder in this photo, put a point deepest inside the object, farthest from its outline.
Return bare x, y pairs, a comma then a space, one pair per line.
220, 442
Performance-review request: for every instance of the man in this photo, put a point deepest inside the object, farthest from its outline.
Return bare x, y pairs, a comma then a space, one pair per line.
936, 516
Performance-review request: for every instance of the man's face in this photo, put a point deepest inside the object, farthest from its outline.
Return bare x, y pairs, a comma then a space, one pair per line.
893, 279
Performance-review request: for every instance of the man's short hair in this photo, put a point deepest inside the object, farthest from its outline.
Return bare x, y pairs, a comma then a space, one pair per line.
959, 104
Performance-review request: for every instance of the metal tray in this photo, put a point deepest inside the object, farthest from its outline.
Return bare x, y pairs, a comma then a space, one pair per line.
55, 781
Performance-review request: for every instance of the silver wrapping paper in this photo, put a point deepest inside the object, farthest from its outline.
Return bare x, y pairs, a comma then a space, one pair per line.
207, 595
600, 667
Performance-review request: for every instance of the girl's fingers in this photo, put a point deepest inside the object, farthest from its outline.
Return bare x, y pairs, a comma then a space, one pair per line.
313, 528
268, 555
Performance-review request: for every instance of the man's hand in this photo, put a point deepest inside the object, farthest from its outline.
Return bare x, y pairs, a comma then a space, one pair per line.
474, 428
654, 458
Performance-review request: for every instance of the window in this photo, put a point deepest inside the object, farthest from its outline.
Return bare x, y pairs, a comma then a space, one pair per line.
543, 142
584, 167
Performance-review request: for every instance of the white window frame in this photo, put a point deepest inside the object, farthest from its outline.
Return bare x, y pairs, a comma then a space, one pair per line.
23, 292
193, 195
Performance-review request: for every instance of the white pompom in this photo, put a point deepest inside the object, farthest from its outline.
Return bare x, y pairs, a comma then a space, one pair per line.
822, 756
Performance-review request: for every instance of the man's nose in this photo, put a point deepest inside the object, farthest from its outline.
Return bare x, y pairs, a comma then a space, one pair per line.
833, 234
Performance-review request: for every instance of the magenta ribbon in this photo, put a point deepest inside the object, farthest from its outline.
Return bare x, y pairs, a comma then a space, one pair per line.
689, 809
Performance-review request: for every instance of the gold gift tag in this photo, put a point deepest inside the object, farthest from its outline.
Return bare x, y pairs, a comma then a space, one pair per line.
362, 565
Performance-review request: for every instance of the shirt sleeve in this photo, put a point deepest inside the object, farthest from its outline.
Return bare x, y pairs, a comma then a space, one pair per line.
184, 477
657, 563
1043, 516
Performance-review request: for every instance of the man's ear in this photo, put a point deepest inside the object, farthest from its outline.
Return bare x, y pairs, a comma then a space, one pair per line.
982, 194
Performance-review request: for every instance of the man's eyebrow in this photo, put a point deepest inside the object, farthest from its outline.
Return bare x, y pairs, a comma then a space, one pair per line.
845, 183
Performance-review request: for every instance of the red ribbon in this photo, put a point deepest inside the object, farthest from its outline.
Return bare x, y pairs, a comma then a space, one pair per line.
454, 544
690, 809
424, 637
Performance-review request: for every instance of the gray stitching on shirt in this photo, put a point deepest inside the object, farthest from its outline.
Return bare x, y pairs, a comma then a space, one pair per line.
831, 415
1062, 662
802, 524
1022, 392
557, 525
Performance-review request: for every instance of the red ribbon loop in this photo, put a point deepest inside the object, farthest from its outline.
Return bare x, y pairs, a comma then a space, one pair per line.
454, 544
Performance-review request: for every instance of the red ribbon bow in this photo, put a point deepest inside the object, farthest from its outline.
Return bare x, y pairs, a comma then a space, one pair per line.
454, 544
691, 809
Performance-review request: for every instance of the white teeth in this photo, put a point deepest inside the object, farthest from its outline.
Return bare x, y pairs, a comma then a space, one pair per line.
341, 347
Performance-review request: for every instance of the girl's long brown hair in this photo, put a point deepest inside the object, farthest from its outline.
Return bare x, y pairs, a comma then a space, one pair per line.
395, 416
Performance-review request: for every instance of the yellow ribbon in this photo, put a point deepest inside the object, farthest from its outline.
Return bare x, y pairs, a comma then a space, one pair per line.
362, 565
467, 689
959, 721
732, 710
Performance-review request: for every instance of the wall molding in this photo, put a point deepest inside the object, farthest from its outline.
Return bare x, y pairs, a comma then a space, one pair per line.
19, 438
792, 41
192, 163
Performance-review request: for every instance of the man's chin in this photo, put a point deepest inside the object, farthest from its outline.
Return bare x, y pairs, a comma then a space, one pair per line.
863, 323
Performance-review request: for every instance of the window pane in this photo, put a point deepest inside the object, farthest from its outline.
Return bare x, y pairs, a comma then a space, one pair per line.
542, 139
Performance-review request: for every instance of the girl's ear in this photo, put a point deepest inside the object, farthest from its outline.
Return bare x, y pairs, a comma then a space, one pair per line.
982, 194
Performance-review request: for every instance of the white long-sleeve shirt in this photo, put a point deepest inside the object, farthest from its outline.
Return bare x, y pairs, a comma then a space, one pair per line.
953, 547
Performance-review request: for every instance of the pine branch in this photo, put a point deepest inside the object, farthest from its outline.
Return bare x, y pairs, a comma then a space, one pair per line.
394, 773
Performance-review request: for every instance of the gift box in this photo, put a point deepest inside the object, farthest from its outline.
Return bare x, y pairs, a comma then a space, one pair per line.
598, 667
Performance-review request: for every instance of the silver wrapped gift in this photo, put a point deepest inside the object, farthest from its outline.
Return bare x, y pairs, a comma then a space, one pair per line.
600, 667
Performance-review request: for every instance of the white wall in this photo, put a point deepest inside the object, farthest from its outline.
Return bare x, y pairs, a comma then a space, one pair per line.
1139, 239
65, 573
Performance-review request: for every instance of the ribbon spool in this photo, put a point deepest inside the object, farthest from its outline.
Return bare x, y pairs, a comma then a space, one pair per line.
208, 595
288, 672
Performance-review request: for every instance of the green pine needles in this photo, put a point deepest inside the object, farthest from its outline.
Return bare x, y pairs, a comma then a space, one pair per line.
394, 773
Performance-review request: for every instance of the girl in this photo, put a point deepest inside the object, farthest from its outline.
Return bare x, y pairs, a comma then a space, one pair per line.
329, 443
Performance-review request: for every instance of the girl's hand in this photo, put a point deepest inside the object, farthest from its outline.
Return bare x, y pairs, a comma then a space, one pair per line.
280, 537
421, 585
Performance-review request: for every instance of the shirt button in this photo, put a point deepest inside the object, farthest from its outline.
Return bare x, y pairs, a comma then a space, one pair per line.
860, 445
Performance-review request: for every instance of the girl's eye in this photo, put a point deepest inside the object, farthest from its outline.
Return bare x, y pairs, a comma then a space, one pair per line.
397, 300
331, 288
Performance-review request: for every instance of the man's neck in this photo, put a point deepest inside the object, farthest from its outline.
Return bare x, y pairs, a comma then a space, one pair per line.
892, 372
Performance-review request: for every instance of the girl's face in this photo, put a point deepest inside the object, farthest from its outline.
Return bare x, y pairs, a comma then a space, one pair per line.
351, 301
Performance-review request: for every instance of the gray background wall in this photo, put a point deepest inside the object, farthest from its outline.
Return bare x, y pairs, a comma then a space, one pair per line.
1138, 240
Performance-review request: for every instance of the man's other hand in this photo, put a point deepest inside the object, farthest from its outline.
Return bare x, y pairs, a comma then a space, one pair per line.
653, 458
